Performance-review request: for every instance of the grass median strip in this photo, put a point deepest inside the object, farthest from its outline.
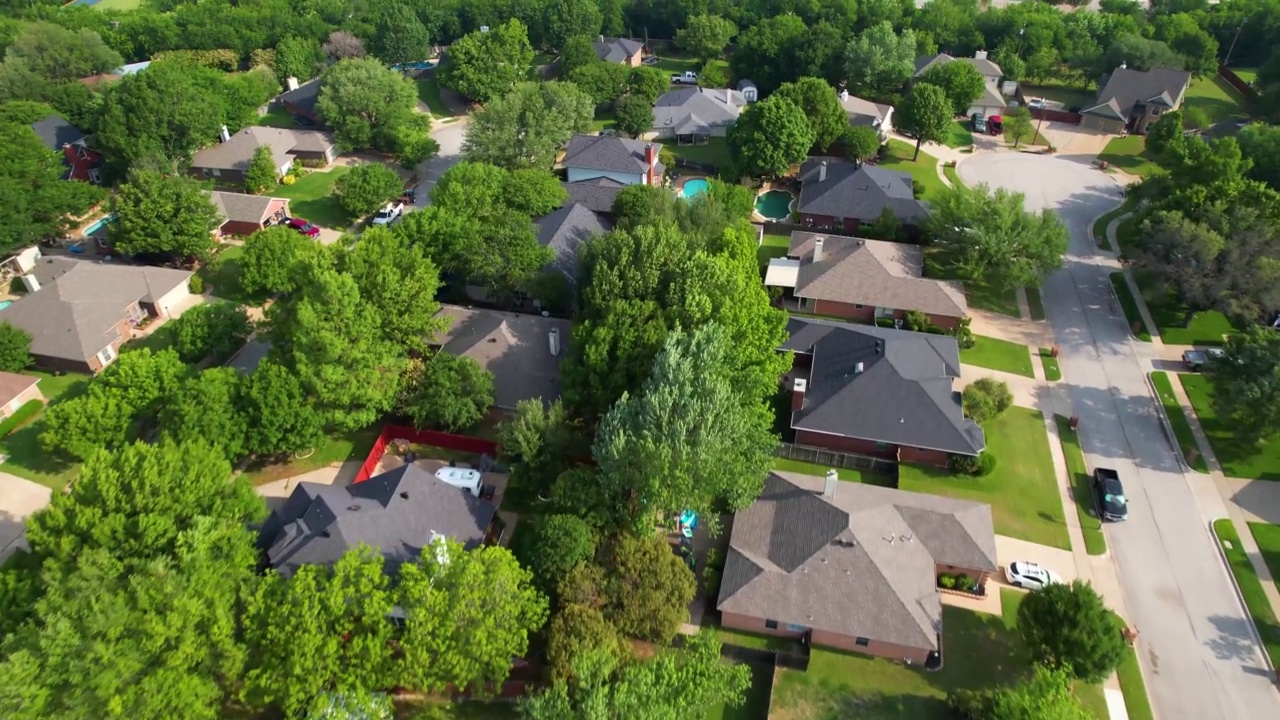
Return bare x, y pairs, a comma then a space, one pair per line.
995, 354
1250, 585
1095, 543
1052, 372
1136, 702
1130, 306
1178, 419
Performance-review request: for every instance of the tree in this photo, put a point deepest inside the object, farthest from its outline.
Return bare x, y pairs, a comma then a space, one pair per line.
400, 36
1018, 125
215, 329
38, 202
1165, 134
540, 443
1138, 53
452, 393
487, 65
298, 58
577, 630
342, 45
578, 51
926, 114
262, 173
367, 188
564, 19
603, 81
1046, 695
1069, 627
768, 52
985, 234
770, 137
15, 348
163, 215
633, 115
467, 613
560, 543
1246, 384
1259, 143
860, 143
207, 407
961, 82
706, 36
366, 104
648, 82
526, 126
1185, 35
60, 54
648, 589
986, 398
880, 61
275, 259
278, 415
820, 104
399, 282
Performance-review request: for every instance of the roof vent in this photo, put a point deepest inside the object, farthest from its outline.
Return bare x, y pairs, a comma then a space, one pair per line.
353, 507
404, 494
325, 533
906, 538
859, 368
493, 340
891, 539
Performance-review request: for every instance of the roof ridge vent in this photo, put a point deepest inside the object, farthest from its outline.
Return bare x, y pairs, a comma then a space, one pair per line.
353, 507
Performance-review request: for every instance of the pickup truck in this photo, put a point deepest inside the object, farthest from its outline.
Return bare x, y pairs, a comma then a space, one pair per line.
1108, 495
1197, 359
686, 78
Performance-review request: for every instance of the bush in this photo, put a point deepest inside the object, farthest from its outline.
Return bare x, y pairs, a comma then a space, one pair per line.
986, 398
963, 582
917, 189
965, 464
946, 581
19, 416
963, 335
917, 321
15, 348
195, 284
713, 75
987, 463
884, 322
217, 329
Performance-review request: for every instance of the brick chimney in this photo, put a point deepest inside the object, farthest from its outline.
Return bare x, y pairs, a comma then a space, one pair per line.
797, 393
651, 158
817, 249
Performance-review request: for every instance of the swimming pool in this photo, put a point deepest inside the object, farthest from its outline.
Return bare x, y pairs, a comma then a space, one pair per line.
693, 188
5, 303
774, 205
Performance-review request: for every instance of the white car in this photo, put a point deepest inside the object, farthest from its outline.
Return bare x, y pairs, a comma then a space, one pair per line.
1029, 575
388, 214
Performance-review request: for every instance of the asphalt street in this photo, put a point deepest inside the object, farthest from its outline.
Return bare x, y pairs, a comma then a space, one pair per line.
450, 137
1200, 656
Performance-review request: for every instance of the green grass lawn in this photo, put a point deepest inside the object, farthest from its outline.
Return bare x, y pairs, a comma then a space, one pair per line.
1130, 307
715, 152
222, 277
429, 93
1130, 154
312, 198
847, 475
1100, 225
774, 245
958, 134
1022, 490
118, 4
952, 175
980, 651
753, 705
1208, 327
995, 354
339, 447
1071, 96
1215, 97
1250, 588
277, 118
1052, 372
984, 296
26, 458
1259, 462
1181, 427
604, 120
1127, 233
1036, 139
1248, 75
675, 64
1132, 686
1095, 543
922, 169
1268, 538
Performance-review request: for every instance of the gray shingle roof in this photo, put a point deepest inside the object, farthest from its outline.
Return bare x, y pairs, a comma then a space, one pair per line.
1125, 88
55, 132
305, 96
515, 347
991, 98
74, 313
864, 112
697, 110
984, 66
597, 194
565, 230
861, 192
241, 207
861, 563
236, 153
902, 396
872, 272
397, 512
617, 50
611, 154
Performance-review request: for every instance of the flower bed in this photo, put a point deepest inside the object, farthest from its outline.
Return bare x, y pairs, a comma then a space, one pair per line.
960, 585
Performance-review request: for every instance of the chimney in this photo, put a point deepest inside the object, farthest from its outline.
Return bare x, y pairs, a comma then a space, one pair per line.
797, 393
553, 339
651, 158
291, 83
844, 94
829, 488
224, 133
728, 96
980, 55
817, 250
30, 282
1124, 66
858, 368
822, 172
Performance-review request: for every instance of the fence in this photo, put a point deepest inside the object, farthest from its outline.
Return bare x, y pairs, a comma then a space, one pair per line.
1237, 82
700, 167
1063, 116
833, 458
390, 433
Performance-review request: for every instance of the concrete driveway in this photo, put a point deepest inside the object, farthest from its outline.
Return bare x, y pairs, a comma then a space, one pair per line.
1010, 550
1199, 653
19, 498
450, 137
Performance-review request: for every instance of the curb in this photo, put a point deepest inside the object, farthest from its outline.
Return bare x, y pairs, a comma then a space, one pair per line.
1235, 585
1169, 436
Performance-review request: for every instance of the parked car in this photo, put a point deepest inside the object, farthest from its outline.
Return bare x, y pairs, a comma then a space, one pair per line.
996, 123
688, 77
303, 227
1029, 575
1108, 495
1197, 359
388, 214
979, 125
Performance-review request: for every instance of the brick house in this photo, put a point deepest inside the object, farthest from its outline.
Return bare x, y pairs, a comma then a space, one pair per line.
877, 391
864, 280
839, 195
852, 566
227, 161
1131, 100
244, 214
620, 50
83, 162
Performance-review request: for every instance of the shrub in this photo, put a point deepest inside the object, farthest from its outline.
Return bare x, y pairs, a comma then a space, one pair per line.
963, 582
713, 75
15, 348
884, 322
19, 416
917, 321
917, 188
965, 465
986, 398
946, 581
963, 335
195, 284
986, 463
217, 329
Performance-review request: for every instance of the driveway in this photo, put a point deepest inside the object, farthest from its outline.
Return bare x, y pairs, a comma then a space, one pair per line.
450, 137
19, 498
1198, 651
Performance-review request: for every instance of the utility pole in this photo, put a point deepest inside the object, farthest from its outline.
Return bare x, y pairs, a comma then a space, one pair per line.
1233, 43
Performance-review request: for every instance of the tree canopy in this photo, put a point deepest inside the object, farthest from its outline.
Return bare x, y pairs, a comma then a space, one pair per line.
705, 36
961, 82
487, 65
821, 106
35, 201
1068, 626
1246, 384
165, 215
926, 113
399, 36
369, 105
447, 392
771, 136
880, 61
526, 126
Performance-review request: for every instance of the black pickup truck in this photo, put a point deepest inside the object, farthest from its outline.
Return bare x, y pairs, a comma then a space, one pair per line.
1108, 495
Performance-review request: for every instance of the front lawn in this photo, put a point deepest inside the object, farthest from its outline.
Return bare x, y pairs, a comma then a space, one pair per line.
1129, 153
312, 198
222, 277
1268, 538
715, 152
923, 169
675, 65
1022, 490
1258, 462
429, 94
1207, 327
338, 447
995, 354
984, 296
958, 134
774, 245
1181, 426
1215, 97
26, 458
1095, 543
1130, 307
1255, 599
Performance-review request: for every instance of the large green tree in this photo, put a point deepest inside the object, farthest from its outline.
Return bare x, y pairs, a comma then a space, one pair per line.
1046, 695
399, 281
961, 81
35, 201
770, 137
821, 106
298, 58
278, 415
15, 348
526, 126
880, 61
399, 36
633, 115
448, 392
367, 188
577, 630
559, 544
706, 36
275, 260
564, 19
213, 329
1246, 384
158, 214
366, 103
926, 114
207, 407
487, 65
60, 54
1068, 626
540, 442
262, 173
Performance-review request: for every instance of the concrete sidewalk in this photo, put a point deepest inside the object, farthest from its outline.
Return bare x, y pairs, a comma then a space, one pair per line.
19, 499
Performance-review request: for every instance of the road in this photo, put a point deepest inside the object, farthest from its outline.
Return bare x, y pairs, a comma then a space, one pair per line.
1200, 656
450, 137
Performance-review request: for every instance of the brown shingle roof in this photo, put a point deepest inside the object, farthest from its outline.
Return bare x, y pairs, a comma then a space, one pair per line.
12, 385
515, 347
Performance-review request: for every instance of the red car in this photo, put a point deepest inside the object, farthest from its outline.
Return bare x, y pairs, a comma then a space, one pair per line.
304, 227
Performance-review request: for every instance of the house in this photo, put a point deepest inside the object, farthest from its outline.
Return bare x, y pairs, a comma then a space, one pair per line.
597, 194
839, 194
620, 50
692, 115
244, 214
877, 391
300, 99
398, 513
227, 161
83, 162
80, 312
750, 93
522, 351
1130, 100
864, 280
629, 162
864, 113
992, 101
564, 231
851, 566
17, 390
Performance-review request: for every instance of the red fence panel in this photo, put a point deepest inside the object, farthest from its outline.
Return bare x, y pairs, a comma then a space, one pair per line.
461, 443
1237, 82
1062, 116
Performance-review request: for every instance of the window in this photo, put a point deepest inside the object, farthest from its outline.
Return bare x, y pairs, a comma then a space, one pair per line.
1155, 111
771, 624
107, 355
215, 172
796, 628
861, 642
857, 307
95, 177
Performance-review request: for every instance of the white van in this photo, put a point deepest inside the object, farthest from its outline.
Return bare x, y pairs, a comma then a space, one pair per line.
464, 478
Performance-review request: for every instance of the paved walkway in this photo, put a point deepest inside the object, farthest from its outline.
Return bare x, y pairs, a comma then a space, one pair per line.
19, 498
1016, 330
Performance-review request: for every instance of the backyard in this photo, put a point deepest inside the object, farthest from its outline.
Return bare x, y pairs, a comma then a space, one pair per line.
1215, 97
1071, 96
774, 245
221, 277
277, 118
1259, 462
312, 198
845, 474
996, 354
429, 94
335, 448
715, 152
1250, 585
923, 169
1177, 419
1095, 543
1022, 490
26, 458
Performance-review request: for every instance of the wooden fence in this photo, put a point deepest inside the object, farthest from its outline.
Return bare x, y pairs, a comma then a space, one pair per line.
1237, 82
391, 433
1062, 116
835, 459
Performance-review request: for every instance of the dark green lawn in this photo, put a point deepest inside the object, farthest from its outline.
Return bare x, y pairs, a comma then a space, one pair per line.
1136, 702
923, 169
1095, 543
1250, 588
312, 199
338, 447
1181, 427
222, 277
1130, 154
774, 245
1130, 307
276, 117
1215, 97
715, 152
429, 93
1207, 327
26, 458
845, 474
1258, 462
959, 134
995, 354
753, 706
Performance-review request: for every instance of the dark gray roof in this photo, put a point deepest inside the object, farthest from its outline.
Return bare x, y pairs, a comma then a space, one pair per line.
853, 191
611, 154
565, 230
902, 395
864, 112
697, 110
597, 194
305, 96
616, 50
515, 347
984, 66
861, 563
242, 207
397, 512
249, 357
56, 133
1125, 88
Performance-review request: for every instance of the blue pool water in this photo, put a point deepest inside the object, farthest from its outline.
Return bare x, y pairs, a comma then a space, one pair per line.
693, 188
5, 303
